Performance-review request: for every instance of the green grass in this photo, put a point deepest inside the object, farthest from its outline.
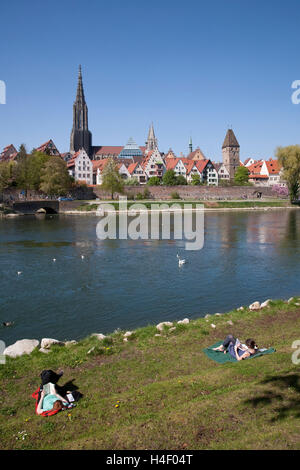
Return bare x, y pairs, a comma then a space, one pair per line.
169, 394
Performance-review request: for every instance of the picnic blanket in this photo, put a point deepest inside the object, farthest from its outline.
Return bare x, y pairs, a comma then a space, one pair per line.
36, 396
221, 358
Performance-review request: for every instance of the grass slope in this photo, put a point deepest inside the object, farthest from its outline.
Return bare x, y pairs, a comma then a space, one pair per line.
163, 392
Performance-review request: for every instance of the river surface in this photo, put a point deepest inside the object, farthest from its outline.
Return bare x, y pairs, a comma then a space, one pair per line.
247, 256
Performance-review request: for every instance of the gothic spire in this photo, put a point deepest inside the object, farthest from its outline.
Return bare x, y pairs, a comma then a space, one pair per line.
151, 141
80, 92
80, 135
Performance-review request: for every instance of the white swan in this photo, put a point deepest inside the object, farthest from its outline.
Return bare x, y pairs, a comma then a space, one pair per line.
180, 261
19, 272
54, 259
82, 257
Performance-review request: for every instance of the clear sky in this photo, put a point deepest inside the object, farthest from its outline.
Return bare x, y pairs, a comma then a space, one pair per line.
192, 67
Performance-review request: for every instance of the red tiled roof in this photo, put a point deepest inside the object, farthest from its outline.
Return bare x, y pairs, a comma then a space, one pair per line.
252, 176
255, 168
171, 163
71, 162
109, 150
201, 164
43, 146
273, 166
132, 167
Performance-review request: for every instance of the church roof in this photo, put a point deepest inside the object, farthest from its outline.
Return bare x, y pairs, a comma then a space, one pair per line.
230, 140
109, 150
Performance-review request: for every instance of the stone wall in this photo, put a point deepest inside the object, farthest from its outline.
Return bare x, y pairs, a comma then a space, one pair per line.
14, 194
194, 192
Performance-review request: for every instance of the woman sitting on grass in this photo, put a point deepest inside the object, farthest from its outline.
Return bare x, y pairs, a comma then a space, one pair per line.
236, 349
51, 401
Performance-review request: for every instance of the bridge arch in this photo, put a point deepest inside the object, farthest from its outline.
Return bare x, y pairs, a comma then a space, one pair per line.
46, 210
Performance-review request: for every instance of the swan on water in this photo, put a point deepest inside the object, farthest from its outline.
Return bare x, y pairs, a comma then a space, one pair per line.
180, 261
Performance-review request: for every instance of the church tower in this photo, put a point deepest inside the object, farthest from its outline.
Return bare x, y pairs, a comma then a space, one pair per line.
81, 137
231, 153
151, 143
190, 145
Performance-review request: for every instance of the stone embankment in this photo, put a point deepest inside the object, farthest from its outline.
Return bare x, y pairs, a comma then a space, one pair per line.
27, 346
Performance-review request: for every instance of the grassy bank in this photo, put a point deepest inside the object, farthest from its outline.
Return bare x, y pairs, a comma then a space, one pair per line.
90, 207
163, 392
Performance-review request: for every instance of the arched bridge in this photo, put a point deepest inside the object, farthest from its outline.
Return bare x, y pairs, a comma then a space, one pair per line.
32, 207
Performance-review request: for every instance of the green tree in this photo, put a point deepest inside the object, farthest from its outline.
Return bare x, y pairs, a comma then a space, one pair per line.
181, 180
154, 181
289, 158
55, 179
169, 178
22, 153
131, 182
111, 178
196, 179
7, 175
241, 176
30, 169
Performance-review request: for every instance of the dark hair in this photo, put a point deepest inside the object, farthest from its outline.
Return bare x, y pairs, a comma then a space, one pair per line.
57, 405
251, 343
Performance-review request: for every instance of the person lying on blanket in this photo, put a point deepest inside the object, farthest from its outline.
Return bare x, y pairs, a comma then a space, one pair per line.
51, 401
236, 349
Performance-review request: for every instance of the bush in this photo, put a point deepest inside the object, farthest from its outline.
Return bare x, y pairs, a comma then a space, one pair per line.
175, 195
180, 180
144, 195
153, 181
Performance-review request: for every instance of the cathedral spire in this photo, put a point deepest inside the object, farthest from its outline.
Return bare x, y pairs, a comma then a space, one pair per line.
80, 92
151, 143
80, 135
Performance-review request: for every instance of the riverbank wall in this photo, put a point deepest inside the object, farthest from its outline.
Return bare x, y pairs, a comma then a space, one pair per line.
193, 192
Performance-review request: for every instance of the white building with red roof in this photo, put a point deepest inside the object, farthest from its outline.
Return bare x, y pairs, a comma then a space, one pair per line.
136, 171
266, 173
80, 166
153, 164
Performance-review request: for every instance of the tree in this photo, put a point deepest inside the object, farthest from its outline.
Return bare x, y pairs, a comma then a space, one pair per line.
131, 182
169, 178
241, 176
180, 180
196, 179
55, 179
111, 178
22, 153
289, 158
153, 181
30, 169
7, 175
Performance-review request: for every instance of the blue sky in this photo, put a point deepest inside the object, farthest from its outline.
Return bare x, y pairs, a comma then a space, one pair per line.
193, 68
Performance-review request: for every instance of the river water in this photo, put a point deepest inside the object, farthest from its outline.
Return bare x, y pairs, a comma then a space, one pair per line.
247, 256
